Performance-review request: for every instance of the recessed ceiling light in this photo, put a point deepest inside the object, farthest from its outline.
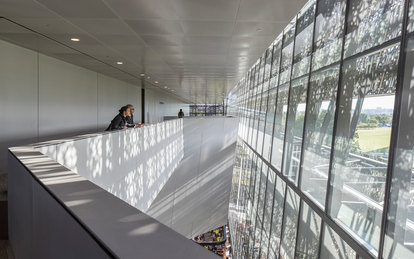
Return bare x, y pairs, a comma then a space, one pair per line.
120, 62
156, 82
142, 74
148, 77
165, 87
75, 39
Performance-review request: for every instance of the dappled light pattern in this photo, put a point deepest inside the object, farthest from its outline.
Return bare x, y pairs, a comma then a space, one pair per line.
328, 33
290, 219
195, 198
309, 233
56, 212
132, 164
337, 130
372, 22
399, 238
358, 174
50, 173
334, 247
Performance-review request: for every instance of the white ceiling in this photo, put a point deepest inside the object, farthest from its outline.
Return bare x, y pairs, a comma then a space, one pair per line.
199, 49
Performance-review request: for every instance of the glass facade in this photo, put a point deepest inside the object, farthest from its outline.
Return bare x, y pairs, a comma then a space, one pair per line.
309, 232
325, 156
207, 109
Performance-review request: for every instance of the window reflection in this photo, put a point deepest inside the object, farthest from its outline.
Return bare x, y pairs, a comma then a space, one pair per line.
303, 41
276, 227
271, 108
260, 208
267, 68
252, 106
290, 220
334, 247
294, 128
268, 205
328, 32
238, 196
399, 239
273, 126
257, 114
318, 133
261, 126
410, 26
309, 233
279, 126
276, 62
254, 246
287, 53
258, 102
261, 70
362, 143
372, 22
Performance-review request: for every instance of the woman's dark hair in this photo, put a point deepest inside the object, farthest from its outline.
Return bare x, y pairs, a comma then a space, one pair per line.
123, 109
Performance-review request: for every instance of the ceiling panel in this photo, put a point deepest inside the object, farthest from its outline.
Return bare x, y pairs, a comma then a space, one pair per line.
244, 28
197, 48
207, 28
78, 8
144, 9
207, 41
211, 10
162, 40
269, 10
51, 26
17, 9
103, 27
155, 27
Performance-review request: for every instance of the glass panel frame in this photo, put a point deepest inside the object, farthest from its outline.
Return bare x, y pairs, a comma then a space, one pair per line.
290, 224
317, 144
359, 167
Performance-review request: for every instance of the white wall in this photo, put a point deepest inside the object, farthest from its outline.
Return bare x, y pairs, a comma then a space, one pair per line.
131, 164
42, 98
195, 198
112, 92
159, 104
67, 97
18, 98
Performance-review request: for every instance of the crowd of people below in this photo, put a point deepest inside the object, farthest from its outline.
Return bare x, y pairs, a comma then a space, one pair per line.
216, 241
125, 119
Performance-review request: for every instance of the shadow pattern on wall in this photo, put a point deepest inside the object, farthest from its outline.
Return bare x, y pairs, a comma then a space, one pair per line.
132, 164
195, 199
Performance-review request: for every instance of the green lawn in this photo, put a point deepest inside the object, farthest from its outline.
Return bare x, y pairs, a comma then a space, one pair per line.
373, 139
